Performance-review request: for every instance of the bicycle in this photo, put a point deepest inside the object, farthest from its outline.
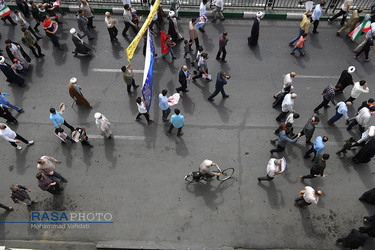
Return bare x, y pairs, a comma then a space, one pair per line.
196, 176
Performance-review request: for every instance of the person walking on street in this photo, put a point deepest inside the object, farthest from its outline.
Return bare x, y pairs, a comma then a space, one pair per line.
103, 125
175, 6
19, 195
128, 21
82, 22
128, 76
344, 11
24, 7
223, 40
8, 208
9, 73
254, 35
328, 96
57, 119
75, 91
80, 46
15, 50
177, 121
317, 148
170, 44
319, 164
50, 27
219, 86
4, 101
35, 14
366, 48
203, 11
358, 88
345, 79
218, 11
354, 240
351, 23
316, 16
362, 119
309, 129
173, 30
299, 45
142, 110
287, 106
203, 69
4, 112
288, 81
32, 43
303, 28
111, 26
308, 196
47, 184
25, 24
273, 169
347, 146
282, 141
366, 136
193, 33
88, 13
183, 78
46, 166
164, 105
341, 110
12, 137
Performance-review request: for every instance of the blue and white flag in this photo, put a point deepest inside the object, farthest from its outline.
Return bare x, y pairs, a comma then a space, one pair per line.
148, 71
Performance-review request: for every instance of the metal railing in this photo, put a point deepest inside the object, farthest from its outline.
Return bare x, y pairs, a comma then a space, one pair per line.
265, 4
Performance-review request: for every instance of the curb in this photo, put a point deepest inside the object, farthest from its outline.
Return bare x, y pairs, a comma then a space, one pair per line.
189, 13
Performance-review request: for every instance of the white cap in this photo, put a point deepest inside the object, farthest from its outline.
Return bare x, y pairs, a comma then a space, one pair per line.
293, 95
2, 59
351, 69
72, 31
97, 115
260, 14
171, 13
73, 80
107, 13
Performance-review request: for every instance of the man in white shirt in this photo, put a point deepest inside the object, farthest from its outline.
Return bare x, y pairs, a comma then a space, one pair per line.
142, 110
219, 7
112, 30
12, 137
287, 106
358, 88
205, 170
308, 196
344, 11
362, 119
288, 80
273, 168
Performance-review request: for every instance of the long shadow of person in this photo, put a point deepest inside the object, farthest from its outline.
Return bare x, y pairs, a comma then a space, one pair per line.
21, 160
67, 152
223, 112
181, 149
117, 50
187, 105
109, 145
87, 155
85, 63
256, 52
307, 224
83, 112
275, 197
365, 174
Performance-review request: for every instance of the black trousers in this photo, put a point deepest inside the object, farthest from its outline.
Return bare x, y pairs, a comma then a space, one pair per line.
127, 26
199, 75
5, 207
33, 32
18, 137
55, 189
309, 176
171, 127
266, 178
339, 14
324, 103
311, 150
316, 24
281, 117
366, 50
89, 23
350, 99
38, 48
145, 115
301, 202
9, 18
216, 92
166, 113
37, 24
278, 149
182, 88
224, 54
196, 40
67, 125
156, 23
4, 112
113, 33
24, 8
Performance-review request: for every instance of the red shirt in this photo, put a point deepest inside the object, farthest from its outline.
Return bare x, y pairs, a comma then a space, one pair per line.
300, 42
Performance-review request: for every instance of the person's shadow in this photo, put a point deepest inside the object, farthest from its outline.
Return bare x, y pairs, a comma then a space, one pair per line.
67, 152
87, 155
275, 197
181, 149
85, 63
21, 159
256, 52
223, 112
187, 104
109, 145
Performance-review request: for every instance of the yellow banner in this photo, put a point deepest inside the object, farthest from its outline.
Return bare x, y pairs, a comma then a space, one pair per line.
133, 45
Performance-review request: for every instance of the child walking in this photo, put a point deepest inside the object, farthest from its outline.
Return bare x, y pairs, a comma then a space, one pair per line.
299, 45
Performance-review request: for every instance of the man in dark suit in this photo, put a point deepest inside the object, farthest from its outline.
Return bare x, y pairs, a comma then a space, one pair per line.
219, 87
183, 77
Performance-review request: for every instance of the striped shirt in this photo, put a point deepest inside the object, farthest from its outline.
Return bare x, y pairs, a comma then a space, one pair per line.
329, 94
19, 195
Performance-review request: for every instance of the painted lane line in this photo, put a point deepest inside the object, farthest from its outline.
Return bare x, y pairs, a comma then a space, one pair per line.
317, 77
115, 70
120, 137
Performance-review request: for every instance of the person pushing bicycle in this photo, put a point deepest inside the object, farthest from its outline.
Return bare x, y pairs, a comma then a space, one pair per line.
205, 170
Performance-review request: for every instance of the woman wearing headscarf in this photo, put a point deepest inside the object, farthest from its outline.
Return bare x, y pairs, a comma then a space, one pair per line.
11, 76
14, 50
366, 153
76, 93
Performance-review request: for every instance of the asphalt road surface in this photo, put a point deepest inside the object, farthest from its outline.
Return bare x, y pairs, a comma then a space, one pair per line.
138, 175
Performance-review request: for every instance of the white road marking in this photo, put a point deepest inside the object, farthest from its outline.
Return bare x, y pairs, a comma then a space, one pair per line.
317, 77
116, 70
120, 137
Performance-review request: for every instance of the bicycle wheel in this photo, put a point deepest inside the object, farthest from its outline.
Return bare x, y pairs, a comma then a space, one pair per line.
189, 178
226, 174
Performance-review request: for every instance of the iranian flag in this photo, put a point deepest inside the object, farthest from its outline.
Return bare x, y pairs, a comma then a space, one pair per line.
363, 27
5, 11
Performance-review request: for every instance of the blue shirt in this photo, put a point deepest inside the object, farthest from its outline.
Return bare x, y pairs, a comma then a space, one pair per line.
319, 145
342, 109
317, 13
56, 119
177, 121
284, 139
4, 101
163, 102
